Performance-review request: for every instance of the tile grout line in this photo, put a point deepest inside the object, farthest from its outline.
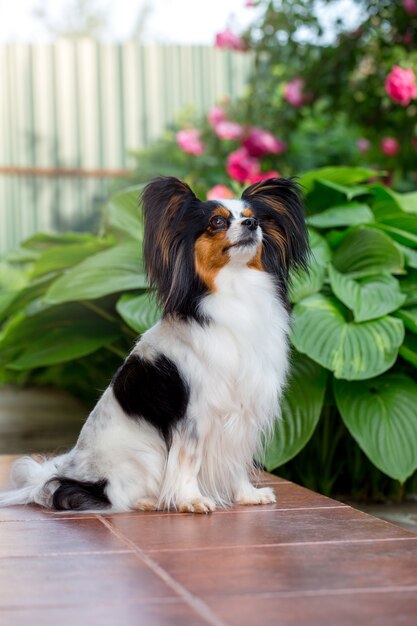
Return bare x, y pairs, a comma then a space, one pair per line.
253, 510
194, 602
318, 592
58, 554
283, 544
146, 602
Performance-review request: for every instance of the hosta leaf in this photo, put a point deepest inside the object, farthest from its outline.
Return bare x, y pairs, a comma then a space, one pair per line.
339, 174
409, 317
350, 214
55, 335
44, 241
410, 256
123, 213
380, 414
354, 351
111, 271
61, 257
367, 251
301, 408
304, 283
408, 350
408, 285
402, 228
320, 250
369, 297
139, 312
390, 201
408, 202
35, 289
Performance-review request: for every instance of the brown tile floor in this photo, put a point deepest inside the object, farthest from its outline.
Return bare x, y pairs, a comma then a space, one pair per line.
306, 561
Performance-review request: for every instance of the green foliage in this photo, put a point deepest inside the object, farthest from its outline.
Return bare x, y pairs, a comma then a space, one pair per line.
344, 64
71, 306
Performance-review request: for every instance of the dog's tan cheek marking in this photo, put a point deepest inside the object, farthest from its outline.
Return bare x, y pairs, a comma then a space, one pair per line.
256, 262
210, 256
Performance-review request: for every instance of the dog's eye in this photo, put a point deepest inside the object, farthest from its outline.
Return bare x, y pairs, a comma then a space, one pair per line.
218, 221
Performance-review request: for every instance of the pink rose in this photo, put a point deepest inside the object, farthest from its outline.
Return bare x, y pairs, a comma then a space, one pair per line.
216, 115
410, 6
228, 130
220, 191
241, 166
227, 39
263, 176
260, 142
363, 144
390, 146
293, 92
250, 3
189, 141
401, 86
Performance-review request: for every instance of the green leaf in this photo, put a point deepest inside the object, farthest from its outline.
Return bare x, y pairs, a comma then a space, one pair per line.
44, 241
340, 175
139, 312
320, 250
401, 228
301, 408
123, 214
380, 414
53, 336
408, 350
354, 351
111, 271
409, 317
350, 214
410, 256
35, 289
368, 297
408, 202
386, 199
305, 283
408, 285
61, 257
367, 251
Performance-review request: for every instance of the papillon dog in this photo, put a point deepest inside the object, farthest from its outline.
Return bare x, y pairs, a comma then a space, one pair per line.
186, 413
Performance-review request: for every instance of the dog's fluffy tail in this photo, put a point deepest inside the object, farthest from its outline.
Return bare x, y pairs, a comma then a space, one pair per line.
30, 480
42, 483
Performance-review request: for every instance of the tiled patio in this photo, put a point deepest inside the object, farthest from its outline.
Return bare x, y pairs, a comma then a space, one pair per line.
306, 561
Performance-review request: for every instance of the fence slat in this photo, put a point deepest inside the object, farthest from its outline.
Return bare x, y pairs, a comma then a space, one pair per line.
81, 106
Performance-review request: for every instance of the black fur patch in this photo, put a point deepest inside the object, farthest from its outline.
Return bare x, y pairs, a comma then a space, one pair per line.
154, 391
75, 495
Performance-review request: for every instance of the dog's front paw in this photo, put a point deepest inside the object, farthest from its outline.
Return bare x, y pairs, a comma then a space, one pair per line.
197, 505
145, 504
252, 495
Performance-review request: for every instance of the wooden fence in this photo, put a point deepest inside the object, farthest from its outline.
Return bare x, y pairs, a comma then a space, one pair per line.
71, 112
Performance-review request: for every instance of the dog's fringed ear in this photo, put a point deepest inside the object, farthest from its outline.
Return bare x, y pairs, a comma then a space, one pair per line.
277, 204
167, 204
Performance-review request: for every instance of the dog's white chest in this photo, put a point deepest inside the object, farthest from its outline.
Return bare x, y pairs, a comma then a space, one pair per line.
244, 348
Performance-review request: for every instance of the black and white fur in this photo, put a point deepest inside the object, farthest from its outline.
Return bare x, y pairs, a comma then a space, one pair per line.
182, 419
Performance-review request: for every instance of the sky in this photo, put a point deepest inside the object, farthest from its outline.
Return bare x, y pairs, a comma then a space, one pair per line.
168, 21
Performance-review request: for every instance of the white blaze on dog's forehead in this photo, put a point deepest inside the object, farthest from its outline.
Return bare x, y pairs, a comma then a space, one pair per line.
235, 206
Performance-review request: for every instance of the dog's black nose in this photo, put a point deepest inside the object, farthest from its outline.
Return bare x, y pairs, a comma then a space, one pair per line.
251, 223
